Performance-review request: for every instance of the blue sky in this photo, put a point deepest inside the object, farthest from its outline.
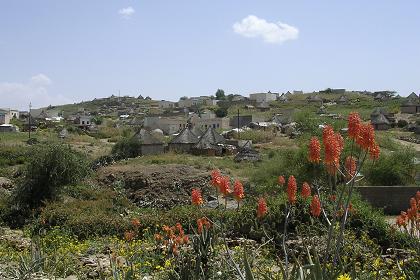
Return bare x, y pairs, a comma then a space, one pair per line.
54, 52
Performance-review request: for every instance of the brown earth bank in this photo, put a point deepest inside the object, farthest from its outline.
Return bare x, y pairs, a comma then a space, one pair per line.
161, 186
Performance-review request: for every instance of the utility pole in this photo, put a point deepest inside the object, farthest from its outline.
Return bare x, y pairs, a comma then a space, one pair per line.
29, 120
238, 126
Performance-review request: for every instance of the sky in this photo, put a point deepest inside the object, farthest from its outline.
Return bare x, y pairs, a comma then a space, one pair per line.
56, 52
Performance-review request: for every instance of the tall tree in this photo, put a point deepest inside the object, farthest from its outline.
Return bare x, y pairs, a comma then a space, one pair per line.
220, 94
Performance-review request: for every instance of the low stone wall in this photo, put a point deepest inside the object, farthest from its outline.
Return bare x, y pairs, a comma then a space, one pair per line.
392, 199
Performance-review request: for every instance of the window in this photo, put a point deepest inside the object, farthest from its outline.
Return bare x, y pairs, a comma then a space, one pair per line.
218, 125
214, 125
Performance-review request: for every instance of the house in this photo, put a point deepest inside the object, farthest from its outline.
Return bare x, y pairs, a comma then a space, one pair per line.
298, 92
183, 142
263, 97
169, 125
150, 144
209, 143
238, 98
163, 104
241, 121
380, 122
8, 128
411, 105
204, 123
84, 121
342, 100
381, 111
283, 98
4, 117
313, 98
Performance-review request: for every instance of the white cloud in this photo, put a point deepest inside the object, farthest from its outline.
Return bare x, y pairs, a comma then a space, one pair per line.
126, 12
18, 95
270, 32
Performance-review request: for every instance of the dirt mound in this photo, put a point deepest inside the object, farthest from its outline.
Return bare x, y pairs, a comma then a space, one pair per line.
161, 186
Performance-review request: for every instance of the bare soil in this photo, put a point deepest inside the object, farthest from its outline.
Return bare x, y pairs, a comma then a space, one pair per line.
162, 186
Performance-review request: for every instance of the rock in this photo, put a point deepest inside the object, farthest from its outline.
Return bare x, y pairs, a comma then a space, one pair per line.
15, 239
5, 183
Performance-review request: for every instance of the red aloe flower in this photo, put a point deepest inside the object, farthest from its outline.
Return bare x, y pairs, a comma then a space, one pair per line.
402, 219
306, 190
203, 223
333, 145
374, 151
238, 190
315, 206
135, 222
262, 208
196, 197
314, 150
291, 189
350, 166
418, 197
281, 181
366, 138
225, 186
354, 123
215, 178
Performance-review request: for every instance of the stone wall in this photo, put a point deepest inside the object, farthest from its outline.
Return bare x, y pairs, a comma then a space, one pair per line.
392, 199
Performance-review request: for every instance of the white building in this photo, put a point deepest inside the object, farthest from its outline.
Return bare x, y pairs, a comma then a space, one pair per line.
263, 97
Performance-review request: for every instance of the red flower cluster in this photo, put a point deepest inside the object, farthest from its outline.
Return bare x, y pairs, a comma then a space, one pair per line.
412, 215
262, 208
173, 238
224, 186
196, 197
315, 206
314, 150
136, 223
203, 223
354, 124
281, 181
291, 189
306, 190
216, 178
350, 165
366, 140
129, 235
238, 190
333, 145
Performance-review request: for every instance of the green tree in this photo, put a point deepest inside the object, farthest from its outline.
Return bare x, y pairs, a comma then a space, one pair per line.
221, 112
49, 168
220, 94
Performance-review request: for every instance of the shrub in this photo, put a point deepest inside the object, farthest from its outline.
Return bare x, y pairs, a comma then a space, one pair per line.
402, 123
49, 168
127, 148
396, 168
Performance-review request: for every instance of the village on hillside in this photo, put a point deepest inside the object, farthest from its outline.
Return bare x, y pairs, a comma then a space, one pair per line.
213, 125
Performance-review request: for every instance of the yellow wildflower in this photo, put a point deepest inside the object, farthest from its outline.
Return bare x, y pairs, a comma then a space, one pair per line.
344, 277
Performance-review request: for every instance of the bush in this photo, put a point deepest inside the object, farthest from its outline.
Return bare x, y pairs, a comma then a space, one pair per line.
402, 123
49, 168
12, 155
396, 168
127, 148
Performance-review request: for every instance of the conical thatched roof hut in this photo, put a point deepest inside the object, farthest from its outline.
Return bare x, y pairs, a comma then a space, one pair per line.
150, 145
380, 122
208, 143
184, 141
